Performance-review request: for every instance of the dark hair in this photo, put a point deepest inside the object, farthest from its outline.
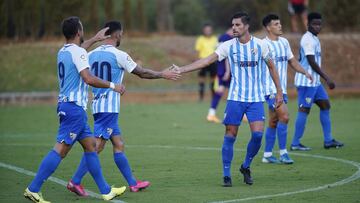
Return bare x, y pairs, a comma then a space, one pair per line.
313, 15
113, 27
245, 18
207, 24
267, 19
71, 26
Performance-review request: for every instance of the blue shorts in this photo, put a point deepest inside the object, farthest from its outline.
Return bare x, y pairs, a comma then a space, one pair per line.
270, 100
73, 123
235, 111
106, 125
308, 95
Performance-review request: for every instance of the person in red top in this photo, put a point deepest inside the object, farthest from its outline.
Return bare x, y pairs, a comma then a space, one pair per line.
298, 9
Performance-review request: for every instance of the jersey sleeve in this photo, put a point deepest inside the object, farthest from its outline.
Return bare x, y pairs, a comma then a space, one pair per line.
222, 51
125, 61
308, 46
289, 53
80, 59
265, 51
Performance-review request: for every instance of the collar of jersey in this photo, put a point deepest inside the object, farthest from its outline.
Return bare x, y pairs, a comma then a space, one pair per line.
251, 38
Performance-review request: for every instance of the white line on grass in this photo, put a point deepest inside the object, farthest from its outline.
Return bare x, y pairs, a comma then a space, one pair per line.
351, 178
52, 179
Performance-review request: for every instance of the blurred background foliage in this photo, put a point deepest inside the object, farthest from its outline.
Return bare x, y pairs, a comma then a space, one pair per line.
39, 18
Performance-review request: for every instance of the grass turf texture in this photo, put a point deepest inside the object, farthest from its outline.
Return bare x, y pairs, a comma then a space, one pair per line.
180, 174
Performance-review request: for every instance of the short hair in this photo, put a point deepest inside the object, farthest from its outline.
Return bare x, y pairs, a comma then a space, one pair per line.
71, 26
245, 18
267, 19
313, 15
113, 27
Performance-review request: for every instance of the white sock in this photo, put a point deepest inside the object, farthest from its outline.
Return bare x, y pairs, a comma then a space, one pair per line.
267, 154
283, 151
212, 112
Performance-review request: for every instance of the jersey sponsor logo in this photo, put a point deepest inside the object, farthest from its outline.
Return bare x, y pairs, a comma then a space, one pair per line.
248, 63
281, 58
101, 96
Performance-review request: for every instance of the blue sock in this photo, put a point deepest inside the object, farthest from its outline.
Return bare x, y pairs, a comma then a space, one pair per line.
282, 134
47, 167
227, 154
215, 100
299, 127
93, 164
270, 137
124, 167
252, 148
80, 172
326, 124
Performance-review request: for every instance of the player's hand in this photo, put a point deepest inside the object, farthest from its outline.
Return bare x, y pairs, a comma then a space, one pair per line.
171, 73
309, 77
119, 88
330, 83
278, 99
100, 36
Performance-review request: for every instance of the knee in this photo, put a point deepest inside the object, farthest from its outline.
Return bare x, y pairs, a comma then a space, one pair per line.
119, 146
99, 148
273, 122
284, 118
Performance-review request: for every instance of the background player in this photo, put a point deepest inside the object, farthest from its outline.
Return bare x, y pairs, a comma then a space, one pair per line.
246, 55
278, 117
74, 77
298, 10
110, 64
205, 45
312, 92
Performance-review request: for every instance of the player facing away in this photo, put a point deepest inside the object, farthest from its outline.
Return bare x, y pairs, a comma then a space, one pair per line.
312, 92
282, 55
109, 63
246, 55
222, 81
74, 77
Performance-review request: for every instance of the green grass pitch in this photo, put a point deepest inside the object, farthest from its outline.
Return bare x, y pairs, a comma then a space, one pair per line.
173, 146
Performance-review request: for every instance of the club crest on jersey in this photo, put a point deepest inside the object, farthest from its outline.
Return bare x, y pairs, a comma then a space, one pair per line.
109, 131
254, 51
82, 56
308, 100
73, 136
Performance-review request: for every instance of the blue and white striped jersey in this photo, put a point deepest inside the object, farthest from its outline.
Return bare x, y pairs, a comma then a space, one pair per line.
246, 64
309, 45
71, 60
108, 63
280, 52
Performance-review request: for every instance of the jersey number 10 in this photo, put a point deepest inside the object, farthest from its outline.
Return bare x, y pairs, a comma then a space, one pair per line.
99, 71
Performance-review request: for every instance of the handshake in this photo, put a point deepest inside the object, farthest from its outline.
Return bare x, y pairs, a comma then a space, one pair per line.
171, 73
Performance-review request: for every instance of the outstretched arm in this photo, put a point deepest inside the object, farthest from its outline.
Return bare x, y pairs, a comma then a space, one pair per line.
169, 73
98, 37
275, 77
201, 63
294, 64
317, 69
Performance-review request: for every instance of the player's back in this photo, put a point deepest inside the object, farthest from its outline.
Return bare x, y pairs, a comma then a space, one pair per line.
71, 60
108, 63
